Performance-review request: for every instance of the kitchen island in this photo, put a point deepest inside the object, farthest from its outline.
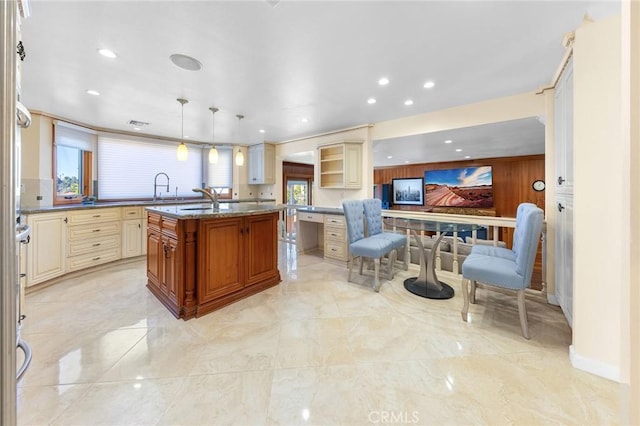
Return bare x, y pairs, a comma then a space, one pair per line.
200, 258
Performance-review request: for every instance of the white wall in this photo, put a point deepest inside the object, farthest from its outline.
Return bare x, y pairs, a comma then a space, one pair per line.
329, 197
36, 162
601, 204
492, 111
630, 334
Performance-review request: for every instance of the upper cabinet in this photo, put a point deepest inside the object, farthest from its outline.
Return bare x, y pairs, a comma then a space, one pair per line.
341, 165
262, 164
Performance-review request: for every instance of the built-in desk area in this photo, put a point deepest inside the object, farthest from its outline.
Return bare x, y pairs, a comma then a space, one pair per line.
322, 230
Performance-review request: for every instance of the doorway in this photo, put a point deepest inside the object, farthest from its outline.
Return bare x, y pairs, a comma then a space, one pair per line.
298, 194
297, 179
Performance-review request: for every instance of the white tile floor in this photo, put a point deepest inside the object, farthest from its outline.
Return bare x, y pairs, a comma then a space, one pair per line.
314, 350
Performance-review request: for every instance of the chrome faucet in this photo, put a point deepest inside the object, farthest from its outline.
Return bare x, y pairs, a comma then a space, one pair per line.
155, 185
212, 194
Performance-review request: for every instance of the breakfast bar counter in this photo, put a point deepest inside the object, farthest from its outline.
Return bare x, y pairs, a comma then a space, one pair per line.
200, 258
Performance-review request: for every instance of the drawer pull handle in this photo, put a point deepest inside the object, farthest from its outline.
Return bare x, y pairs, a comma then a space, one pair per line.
96, 244
96, 215
96, 258
333, 234
95, 230
333, 249
131, 213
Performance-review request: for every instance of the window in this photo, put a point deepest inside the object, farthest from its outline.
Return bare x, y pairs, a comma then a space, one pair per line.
73, 163
128, 168
220, 175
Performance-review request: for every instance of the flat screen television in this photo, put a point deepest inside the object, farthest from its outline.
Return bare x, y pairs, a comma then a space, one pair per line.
463, 187
408, 191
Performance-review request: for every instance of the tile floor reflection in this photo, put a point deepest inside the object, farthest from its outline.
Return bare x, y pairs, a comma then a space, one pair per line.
314, 350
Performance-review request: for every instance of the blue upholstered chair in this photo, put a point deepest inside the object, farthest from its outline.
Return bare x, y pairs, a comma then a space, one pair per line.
504, 268
361, 246
373, 217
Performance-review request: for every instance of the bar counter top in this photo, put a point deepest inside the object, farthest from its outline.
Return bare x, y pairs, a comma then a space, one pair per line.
147, 203
205, 211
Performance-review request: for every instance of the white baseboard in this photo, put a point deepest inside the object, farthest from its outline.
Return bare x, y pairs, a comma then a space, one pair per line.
598, 368
552, 299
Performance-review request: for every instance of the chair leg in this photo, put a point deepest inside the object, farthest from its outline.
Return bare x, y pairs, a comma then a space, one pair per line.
392, 261
376, 271
465, 295
361, 264
351, 260
472, 294
406, 259
522, 309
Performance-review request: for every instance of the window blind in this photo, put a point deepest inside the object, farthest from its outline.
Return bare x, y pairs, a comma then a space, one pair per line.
74, 137
127, 169
221, 173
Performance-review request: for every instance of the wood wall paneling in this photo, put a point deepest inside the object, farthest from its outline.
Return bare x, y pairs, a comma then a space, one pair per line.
512, 179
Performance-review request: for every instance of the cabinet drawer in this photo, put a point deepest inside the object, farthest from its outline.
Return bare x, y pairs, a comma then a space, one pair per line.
97, 230
75, 248
335, 250
131, 213
334, 220
82, 217
154, 221
332, 233
170, 227
311, 217
92, 259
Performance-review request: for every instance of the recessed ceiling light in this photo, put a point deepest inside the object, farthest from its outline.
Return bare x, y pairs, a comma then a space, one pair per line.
186, 62
186, 136
107, 53
261, 130
406, 161
408, 102
305, 120
137, 128
459, 150
429, 84
93, 92
389, 156
371, 101
383, 81
448, 141
467, 156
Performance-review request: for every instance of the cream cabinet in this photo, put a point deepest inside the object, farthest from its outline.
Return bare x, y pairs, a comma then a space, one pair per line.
93, 237
132, 235
564, 194
335, 238
262, 163
46, 250
340, 165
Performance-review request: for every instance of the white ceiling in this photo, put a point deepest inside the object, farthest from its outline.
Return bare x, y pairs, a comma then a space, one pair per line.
278, 65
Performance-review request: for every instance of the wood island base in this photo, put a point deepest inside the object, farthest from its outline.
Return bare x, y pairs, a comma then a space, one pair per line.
199, 264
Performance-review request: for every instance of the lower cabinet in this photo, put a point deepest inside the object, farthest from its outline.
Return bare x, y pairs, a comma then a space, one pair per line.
93, 238
167, 261
131, 238
335, 238
134, 232
196, 266
46, 254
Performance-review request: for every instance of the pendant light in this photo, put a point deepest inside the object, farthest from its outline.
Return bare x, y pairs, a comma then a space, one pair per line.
239, 154
213, 152
183, 152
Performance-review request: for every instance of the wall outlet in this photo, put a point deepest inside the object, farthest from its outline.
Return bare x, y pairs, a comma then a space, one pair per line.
39, 197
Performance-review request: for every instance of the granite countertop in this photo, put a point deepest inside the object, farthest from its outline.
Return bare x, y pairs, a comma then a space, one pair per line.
106, 204
318, 209
204, 210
